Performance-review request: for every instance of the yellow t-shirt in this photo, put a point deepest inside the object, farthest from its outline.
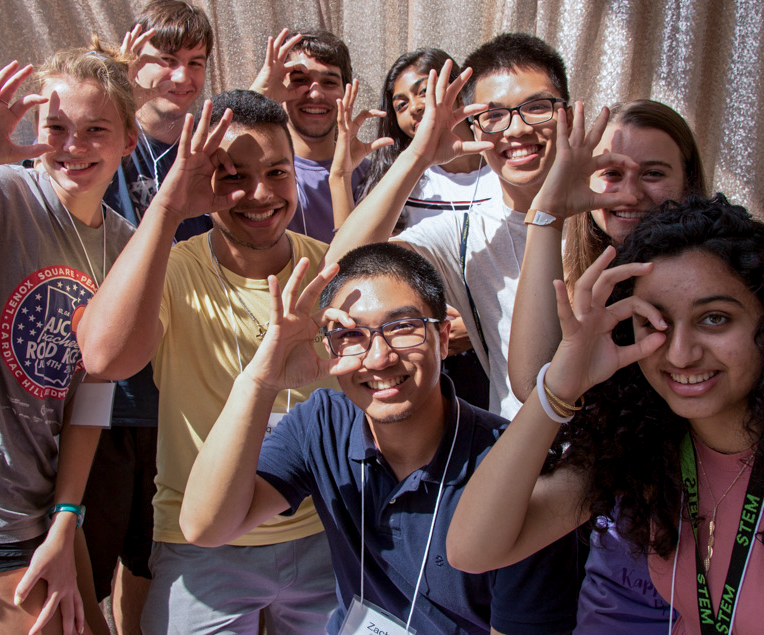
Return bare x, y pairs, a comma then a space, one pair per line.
194, 369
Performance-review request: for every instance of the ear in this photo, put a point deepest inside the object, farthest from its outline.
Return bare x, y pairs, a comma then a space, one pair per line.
444, 329
131, 142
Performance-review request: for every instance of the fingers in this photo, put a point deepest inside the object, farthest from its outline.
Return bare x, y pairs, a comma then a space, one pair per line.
281, 46
184, 144
47, 611
577, 130
632, 306
310, 295
291, 292
380, 143
474, 147
453, 90
134, 41
641, 349
600, 123
213, 140
603, 285
221, 158
568, 321
583, 288
79, 612
613, 159
8, 70
200, 136
10, 81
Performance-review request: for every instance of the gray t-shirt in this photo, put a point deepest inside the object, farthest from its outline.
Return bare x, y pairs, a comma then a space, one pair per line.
495, 247
46, 282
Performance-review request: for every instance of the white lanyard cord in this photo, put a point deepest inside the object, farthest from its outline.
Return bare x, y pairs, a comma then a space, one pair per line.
230, 306
432, 524
474, 192
82, 244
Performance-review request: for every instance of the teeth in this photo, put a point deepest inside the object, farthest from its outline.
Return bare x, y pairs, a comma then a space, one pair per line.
315, 111
692, 379
628, 214
259, 215
519, 153
384, 385
76, 166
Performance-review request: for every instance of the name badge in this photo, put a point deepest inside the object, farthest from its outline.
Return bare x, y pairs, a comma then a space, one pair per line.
363, 617
92, 403
273, 421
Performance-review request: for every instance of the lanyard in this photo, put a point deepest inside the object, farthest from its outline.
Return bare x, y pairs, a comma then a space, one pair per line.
463, 265
750, 518
432, 524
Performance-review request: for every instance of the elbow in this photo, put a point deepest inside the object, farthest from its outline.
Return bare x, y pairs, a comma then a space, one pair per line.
461, 555
197, 531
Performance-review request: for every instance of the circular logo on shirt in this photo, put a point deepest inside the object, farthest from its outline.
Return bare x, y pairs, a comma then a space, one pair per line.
37, 342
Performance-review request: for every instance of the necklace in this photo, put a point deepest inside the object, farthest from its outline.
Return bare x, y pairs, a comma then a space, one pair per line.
262, 329
712, 523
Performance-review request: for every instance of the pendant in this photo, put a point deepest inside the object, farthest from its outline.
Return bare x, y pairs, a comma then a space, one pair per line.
710, 546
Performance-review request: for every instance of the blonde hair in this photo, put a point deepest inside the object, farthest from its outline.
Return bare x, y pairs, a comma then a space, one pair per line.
100, 63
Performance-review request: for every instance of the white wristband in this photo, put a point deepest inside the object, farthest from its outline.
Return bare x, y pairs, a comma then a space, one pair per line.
545, 405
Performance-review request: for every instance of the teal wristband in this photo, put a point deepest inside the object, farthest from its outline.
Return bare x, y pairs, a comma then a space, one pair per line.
77, 510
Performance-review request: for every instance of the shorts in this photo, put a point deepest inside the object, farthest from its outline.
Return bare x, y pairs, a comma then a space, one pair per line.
119, 520
18, 555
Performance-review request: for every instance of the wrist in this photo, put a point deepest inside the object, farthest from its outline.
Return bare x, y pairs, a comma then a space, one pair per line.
542, 218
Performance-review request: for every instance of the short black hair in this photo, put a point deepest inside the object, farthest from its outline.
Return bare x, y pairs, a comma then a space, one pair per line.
250, 109
391, 260
327, 48
508, 52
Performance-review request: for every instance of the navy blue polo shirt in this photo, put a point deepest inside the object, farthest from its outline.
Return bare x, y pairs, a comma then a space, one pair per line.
319, 450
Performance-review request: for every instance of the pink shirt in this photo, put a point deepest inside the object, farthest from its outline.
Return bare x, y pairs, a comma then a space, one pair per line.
721, 470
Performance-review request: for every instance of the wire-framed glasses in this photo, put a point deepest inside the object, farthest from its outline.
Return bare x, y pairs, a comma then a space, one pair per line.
531, 112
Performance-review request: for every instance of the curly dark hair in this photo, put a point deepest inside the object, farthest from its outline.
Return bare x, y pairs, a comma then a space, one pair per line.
627, 440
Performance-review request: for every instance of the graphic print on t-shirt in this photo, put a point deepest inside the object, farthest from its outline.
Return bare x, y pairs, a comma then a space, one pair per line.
37, 342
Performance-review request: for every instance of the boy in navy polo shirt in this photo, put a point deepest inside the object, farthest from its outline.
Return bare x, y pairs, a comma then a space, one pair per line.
385, 461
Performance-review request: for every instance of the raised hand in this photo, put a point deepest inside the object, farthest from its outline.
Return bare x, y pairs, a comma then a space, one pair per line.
187, 190
350, 150
566, 190
53, 564
287, 357
434, 141
587, 354
273, 78
11, 112
131, 47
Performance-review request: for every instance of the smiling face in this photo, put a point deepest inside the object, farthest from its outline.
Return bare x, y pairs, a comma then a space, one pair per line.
265, 171
709, 363
660, 176
313, 115
392, 385
185, 68
522, 154
88, 136
409, 92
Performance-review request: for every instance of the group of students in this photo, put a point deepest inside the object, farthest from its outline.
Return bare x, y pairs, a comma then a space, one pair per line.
279, 361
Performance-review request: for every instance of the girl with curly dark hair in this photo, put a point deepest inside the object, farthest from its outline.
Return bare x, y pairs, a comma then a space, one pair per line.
669, 428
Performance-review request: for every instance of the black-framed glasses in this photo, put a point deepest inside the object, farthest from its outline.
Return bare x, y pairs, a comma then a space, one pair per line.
531, 112
403, 333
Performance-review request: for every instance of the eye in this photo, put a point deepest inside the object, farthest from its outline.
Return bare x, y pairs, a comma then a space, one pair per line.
230, 177
610, 175
400, 105
536, 107
715, 319
277, 173
54, 128
402, 326
654, 174
97, 129
347, 335
198, 64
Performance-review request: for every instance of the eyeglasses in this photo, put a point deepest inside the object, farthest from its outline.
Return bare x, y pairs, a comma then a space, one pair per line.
404, 333
531, 112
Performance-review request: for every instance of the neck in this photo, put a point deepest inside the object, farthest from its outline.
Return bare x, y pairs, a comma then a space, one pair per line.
517, 198
409, 444
256, 264
85, 207
154, 124
467, 163
726, 437
313, 148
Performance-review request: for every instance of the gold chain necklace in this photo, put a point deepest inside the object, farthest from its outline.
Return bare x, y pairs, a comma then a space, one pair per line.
712, 523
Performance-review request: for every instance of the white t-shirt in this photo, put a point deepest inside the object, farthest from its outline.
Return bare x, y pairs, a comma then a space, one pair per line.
495, 247
439, 191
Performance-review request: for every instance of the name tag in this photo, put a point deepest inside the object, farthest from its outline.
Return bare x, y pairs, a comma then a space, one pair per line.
273, 421
92, 403
365, 618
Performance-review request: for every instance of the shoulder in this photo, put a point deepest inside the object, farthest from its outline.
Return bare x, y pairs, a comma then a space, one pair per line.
308, 247
117, 226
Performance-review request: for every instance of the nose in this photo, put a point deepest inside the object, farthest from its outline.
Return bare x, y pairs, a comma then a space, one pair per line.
682, 347
380, 354
74, 144
261, 192
315, 91
517, 127
179, 74
630, 184
417, 104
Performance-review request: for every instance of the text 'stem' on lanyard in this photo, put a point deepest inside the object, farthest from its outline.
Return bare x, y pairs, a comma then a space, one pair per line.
750, 517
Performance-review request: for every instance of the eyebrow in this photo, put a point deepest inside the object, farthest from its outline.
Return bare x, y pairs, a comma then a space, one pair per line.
324, 73
414, 88
704, 301
656, 162
544, 94
53, 117
410, 311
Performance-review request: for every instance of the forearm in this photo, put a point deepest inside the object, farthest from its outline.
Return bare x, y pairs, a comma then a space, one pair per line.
507, 512
535, 330
374, 219
120, 329
220, 502
341, 188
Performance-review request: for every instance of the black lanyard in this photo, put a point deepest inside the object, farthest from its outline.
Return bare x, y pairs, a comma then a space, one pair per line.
750, 516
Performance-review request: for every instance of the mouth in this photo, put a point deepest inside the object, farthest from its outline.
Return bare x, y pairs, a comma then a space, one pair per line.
385, 384
258, 215
692, 379
520, 155
314, 110
71, 166
628, 214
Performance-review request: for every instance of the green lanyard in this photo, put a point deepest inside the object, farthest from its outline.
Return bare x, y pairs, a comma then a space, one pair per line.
750, 516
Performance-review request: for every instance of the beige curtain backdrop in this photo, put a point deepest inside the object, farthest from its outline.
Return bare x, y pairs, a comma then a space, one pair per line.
701, 57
